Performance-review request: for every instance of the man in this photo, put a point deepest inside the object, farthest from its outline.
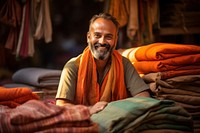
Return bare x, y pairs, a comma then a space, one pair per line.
100, 74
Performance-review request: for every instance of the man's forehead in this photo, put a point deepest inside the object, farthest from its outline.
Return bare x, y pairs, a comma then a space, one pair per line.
104, 24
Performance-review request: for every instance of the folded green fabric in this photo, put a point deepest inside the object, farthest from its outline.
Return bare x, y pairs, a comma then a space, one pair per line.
142, 113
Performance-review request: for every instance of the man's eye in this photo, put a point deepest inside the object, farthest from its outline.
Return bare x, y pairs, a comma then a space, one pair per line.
96, 36
109, 37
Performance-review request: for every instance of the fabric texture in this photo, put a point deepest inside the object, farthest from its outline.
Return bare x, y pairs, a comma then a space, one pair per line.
113, 87
42, 117
184, 90
167, 64
160, 57
39, 77
14, 97
160, 51
142, 114
122, 14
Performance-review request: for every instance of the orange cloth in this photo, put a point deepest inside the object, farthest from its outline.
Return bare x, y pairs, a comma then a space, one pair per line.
144, 67
13, 97
89, 92
160, 51
120, 10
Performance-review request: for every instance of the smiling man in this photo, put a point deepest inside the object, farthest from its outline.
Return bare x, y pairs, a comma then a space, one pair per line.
100, 74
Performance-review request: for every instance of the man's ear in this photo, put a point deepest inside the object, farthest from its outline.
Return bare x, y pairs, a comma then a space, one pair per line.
88, 36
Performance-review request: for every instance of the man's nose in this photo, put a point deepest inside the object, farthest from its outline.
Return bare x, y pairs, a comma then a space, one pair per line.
102, 40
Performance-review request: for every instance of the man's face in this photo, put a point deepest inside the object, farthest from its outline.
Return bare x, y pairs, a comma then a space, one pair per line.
102, 38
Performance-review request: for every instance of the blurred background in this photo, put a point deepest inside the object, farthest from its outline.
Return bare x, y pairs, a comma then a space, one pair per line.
176, 21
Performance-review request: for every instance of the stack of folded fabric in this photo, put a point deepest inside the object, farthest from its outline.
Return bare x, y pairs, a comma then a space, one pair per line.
14, 97
184, 90
40, 80
160, 57
143, 114
172, 71
41, 117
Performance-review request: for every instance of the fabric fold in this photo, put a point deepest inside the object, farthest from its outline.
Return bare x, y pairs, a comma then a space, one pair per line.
143, 113
38, 116
13, 97
39, 77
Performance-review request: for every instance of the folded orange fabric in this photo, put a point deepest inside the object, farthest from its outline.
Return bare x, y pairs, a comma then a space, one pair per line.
160, 51
112, 88
144, 67
13, 97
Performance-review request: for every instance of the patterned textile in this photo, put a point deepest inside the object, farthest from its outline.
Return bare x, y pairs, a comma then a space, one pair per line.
38, 116
143, 113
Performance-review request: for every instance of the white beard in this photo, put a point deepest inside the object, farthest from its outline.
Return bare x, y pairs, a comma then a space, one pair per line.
100, 54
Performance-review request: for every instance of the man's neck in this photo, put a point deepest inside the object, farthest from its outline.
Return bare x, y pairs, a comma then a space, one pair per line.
100, 64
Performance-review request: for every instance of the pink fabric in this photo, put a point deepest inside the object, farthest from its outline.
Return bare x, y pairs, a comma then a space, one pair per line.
38, 116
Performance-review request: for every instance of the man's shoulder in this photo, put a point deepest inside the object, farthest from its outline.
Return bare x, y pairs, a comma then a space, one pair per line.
73, 62
125, 60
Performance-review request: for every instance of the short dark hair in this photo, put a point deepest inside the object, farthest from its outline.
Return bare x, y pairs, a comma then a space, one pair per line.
105, 16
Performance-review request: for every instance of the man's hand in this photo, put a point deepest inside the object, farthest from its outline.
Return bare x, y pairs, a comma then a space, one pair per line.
97, 107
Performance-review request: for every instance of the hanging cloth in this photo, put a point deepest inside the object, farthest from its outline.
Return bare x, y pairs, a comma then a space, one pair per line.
133, 25
25, 46
120, 10
44, 25
10, 14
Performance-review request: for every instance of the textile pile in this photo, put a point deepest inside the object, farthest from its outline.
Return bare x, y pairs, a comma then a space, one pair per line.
172, 72
143, 114
40, 80
14, 97
42, 117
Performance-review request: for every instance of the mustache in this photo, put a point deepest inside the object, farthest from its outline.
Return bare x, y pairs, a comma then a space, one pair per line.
102, 45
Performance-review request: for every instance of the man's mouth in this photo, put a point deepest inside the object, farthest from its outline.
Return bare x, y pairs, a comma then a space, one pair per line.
101, 47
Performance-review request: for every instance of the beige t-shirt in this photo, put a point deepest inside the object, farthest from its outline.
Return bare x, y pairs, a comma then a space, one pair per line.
67, 86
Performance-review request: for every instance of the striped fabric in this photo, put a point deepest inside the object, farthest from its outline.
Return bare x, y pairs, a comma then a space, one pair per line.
38, 116
142, 114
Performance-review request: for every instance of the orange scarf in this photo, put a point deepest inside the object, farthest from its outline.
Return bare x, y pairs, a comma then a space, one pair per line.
88, 91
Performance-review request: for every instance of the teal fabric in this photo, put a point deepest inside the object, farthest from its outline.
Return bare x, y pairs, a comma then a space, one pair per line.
142, 113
